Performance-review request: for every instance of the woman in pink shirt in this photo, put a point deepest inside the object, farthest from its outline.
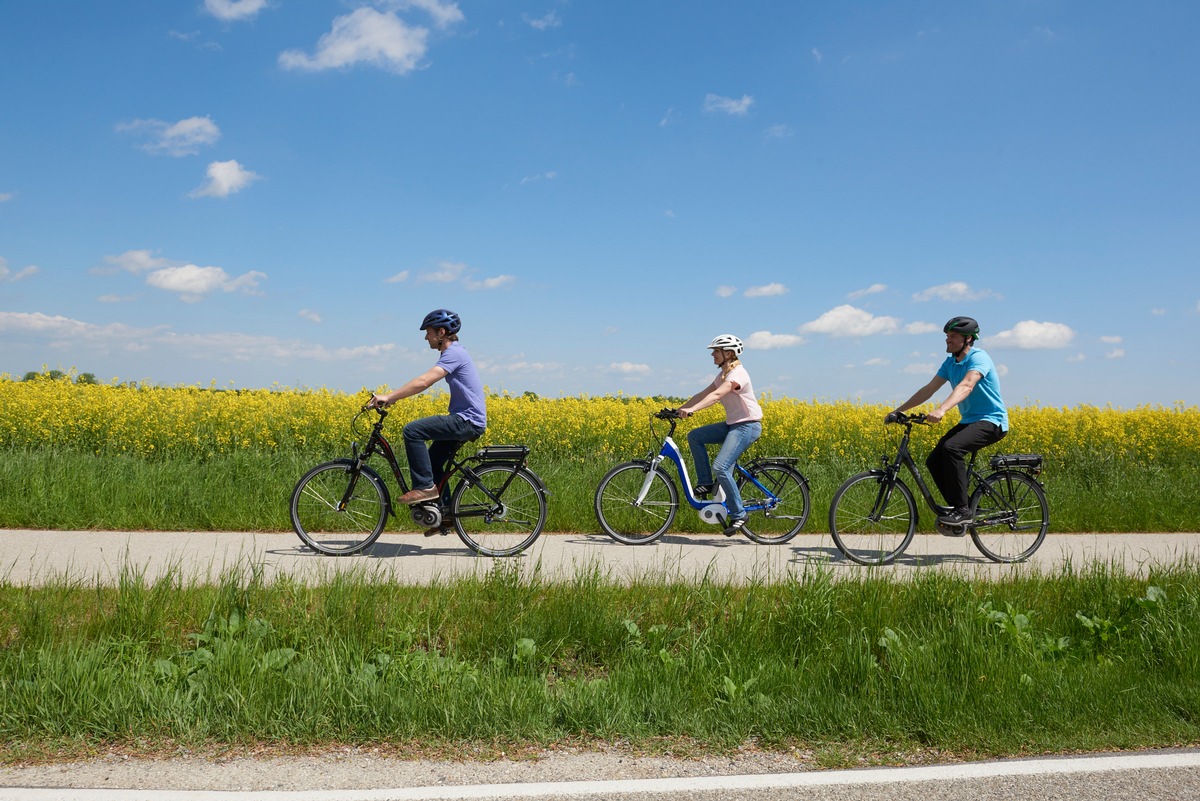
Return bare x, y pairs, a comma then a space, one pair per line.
743, 424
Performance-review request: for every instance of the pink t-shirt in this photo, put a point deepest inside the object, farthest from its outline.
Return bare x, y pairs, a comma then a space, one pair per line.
740, 405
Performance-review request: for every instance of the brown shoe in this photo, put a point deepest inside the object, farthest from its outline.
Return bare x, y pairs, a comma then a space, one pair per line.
443, 529
419, 495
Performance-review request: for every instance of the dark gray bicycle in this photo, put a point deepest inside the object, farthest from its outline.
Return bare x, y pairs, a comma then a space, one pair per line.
873, 515
497, 505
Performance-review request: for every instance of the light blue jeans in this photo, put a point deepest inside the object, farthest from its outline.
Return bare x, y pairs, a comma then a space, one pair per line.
733, 439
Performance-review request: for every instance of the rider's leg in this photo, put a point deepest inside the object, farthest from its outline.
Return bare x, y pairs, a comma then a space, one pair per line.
947, 462
698, 438
422, 460
739, 438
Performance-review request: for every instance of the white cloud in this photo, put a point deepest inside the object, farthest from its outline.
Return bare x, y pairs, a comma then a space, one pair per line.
544, 176
398, 278
1112, 340
1032, 335
725, 291
816, 54
446, 272
310, 315
921, 369
138, 261
9, 276
848, 321
1078, 357
1115, 353
364, 35
876, 362
873, 289
765, 340
231, 10
111, 298
954, 291
778, 132
550, 20
183, 138
443, 14
224, 179
6, 196
920, 328
495, 282
727, 105
1161, 312
766, 291
192, 283
629, 368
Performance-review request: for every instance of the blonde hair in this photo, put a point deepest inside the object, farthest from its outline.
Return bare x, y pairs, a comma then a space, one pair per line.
728, 367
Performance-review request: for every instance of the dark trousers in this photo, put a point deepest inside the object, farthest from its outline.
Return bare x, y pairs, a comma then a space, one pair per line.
447, 431
947, 463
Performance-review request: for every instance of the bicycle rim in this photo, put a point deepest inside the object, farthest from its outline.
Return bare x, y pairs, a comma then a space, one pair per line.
868, 524
1011, 517
781, 521
615, 507
326, 524
499, 529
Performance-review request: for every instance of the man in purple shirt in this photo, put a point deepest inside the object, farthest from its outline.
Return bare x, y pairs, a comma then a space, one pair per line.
467, 416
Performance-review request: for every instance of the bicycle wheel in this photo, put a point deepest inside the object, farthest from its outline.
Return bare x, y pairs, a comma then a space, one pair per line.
1011, 517
777, 524
337, 510
499, 529
870, 524
641, 523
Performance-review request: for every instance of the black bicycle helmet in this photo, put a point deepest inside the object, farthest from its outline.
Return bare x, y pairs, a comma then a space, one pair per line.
967, 326
442, 318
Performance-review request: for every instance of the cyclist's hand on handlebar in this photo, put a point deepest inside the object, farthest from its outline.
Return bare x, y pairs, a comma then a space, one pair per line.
935, 416
377, 402
668, 414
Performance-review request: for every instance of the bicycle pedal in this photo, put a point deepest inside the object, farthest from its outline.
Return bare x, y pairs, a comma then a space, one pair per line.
952, 531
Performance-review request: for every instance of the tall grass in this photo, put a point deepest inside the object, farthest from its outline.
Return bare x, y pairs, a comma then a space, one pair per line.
103, 456
1082, 659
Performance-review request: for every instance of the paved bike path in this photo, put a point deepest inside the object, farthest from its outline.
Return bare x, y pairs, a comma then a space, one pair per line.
36, 557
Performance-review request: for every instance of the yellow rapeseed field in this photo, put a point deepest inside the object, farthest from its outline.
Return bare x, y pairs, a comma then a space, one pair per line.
208, 422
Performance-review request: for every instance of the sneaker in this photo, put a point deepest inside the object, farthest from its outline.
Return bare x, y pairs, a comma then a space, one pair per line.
959, 517
736, 526
702, 491
418, 495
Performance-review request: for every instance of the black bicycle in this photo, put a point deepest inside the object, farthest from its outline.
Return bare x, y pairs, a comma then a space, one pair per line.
497, 506
873, 514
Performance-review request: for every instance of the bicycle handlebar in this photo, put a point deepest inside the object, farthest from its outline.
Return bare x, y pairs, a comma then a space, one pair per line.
900, 418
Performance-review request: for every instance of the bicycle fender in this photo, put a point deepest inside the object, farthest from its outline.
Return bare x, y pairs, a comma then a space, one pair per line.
780, 461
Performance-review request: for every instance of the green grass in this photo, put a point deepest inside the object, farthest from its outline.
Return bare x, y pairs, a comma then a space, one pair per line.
1079, 660
249, 490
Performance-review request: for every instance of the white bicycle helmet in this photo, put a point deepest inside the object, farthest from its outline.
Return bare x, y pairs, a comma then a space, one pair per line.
727, 342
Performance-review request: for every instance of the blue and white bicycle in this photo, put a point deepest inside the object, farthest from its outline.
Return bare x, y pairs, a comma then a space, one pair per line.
636, 501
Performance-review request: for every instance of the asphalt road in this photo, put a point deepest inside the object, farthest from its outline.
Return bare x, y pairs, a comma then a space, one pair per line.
35, 557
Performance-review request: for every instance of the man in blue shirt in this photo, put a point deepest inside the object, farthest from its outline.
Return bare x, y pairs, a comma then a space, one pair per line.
975, 390
467, 416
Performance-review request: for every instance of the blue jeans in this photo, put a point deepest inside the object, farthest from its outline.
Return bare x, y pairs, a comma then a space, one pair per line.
427, 466
733, 439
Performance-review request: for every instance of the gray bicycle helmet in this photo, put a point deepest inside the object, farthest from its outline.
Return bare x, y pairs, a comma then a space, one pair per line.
442, 318
727, 342
967, 326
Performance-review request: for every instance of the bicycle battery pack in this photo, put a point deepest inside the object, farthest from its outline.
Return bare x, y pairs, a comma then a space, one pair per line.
502, 453
1031, 461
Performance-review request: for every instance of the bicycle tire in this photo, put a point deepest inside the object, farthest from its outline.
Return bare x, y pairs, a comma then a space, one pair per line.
503, 529
870, 541
321, 520
778, 524
620, 519
1011, 516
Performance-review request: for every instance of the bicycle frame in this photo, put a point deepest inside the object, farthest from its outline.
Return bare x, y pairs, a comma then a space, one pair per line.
713, 511
378, 443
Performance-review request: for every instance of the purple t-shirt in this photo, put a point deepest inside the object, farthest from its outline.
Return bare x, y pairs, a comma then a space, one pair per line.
466, 389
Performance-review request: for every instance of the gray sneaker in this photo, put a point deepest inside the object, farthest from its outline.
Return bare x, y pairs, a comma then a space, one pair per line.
735, 526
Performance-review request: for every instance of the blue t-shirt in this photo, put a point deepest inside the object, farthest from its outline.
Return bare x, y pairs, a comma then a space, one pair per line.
984, 402
466, 390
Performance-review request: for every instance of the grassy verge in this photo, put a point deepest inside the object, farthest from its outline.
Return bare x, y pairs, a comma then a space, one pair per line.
1079, 660
249, 490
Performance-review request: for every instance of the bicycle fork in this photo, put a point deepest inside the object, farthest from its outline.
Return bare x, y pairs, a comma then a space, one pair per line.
655, 461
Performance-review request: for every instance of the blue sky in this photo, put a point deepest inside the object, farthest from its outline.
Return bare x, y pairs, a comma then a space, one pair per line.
272, 192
